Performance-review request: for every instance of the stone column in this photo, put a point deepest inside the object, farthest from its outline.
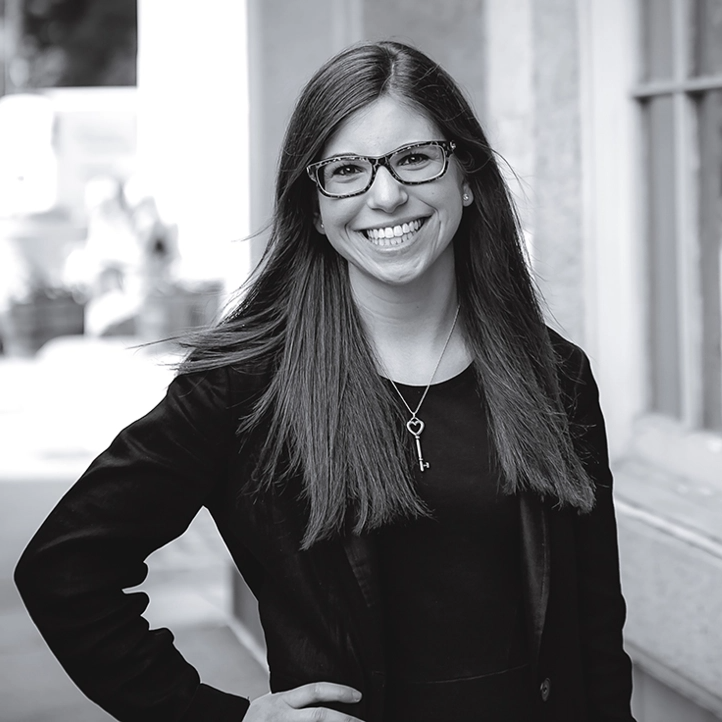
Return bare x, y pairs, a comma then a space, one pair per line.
287, 42
559, 225
451, 32
534, 115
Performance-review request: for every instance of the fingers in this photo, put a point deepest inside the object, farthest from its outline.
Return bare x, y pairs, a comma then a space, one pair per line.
304, 704
319, 714
311, 694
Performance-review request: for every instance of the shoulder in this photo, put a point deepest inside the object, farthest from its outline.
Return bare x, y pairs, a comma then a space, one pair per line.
569, 357
578, 388
572, 362
222, 393
226, 385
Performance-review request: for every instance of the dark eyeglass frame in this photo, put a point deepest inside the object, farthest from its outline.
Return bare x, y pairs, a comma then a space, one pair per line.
448, 146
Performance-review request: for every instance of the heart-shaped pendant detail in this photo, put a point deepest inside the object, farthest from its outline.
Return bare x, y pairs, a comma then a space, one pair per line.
415, 426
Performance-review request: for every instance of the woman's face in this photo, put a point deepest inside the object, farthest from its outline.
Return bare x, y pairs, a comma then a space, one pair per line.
422, 219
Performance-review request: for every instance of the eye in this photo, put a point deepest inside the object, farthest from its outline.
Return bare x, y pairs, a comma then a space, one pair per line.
344, 170
413, 158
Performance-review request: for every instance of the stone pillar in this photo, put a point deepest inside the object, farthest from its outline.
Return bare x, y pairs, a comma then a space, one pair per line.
451, 32
559, 225
509, 102
287, 42
534, 115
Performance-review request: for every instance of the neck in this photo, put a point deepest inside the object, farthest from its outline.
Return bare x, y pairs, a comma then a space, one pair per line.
408, 325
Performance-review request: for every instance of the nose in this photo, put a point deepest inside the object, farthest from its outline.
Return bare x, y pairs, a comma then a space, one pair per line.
386, 193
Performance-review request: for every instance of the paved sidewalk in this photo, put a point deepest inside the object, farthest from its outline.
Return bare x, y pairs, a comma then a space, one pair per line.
59, 409
56, 413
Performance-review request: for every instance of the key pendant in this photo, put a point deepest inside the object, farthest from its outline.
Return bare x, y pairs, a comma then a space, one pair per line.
415, 427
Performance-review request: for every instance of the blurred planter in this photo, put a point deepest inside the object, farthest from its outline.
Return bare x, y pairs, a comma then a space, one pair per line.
31, 323
173, 309
38, 246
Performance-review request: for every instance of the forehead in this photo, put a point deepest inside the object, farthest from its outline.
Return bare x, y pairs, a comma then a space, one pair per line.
381, 127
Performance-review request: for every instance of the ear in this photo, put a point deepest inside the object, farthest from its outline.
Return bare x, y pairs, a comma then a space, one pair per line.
319, 224
467, 197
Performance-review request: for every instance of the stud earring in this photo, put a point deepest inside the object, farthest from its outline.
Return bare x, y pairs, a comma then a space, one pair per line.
466, 198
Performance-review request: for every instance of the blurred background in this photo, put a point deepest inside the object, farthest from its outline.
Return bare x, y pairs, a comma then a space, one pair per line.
138, 145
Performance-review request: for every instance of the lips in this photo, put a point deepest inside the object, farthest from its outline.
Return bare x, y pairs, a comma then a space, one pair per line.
394, 235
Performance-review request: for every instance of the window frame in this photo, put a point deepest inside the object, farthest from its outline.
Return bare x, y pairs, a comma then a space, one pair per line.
668, 473
680, 88
616, 296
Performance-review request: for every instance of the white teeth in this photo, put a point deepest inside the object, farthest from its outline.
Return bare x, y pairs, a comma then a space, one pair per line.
394, 235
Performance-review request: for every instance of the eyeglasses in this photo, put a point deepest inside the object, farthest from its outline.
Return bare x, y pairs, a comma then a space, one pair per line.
344, 176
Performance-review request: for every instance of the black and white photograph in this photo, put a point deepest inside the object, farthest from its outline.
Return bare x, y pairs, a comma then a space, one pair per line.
361, 360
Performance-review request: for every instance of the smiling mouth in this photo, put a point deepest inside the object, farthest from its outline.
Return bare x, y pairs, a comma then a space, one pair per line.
394, 235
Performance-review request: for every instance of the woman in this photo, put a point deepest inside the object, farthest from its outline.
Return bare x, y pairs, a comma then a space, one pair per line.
408, 467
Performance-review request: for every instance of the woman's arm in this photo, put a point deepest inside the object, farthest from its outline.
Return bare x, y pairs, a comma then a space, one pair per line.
606, 667
138, 495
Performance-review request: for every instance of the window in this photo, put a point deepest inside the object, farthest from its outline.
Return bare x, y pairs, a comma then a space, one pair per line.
680, 98
652, 143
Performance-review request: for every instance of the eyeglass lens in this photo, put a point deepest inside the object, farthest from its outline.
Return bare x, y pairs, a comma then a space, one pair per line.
410, 165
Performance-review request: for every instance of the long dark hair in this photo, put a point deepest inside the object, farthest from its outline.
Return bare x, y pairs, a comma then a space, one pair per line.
325, 401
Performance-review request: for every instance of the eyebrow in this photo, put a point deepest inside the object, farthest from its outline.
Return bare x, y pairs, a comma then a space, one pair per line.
351, 154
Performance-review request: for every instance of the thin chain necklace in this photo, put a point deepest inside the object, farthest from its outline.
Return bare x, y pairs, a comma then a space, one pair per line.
415, 425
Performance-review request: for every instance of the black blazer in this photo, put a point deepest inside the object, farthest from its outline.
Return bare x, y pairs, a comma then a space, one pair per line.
320, 608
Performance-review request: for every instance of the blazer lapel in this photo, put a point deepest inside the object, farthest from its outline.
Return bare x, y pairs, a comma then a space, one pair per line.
360, 553
535, 567
361, 556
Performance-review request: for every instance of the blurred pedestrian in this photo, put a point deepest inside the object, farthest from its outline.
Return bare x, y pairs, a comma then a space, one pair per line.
408, 467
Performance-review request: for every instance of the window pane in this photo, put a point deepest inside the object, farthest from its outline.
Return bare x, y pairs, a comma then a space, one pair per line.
662, 256
657, 37
710, 213
708, 31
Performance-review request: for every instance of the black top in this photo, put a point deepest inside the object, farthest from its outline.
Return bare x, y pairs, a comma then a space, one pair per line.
452, 584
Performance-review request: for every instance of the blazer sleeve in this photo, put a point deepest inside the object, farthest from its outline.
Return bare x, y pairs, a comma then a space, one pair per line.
607, 668
135, 497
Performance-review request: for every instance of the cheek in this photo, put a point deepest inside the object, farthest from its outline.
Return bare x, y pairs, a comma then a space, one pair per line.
450, 205
337, 215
